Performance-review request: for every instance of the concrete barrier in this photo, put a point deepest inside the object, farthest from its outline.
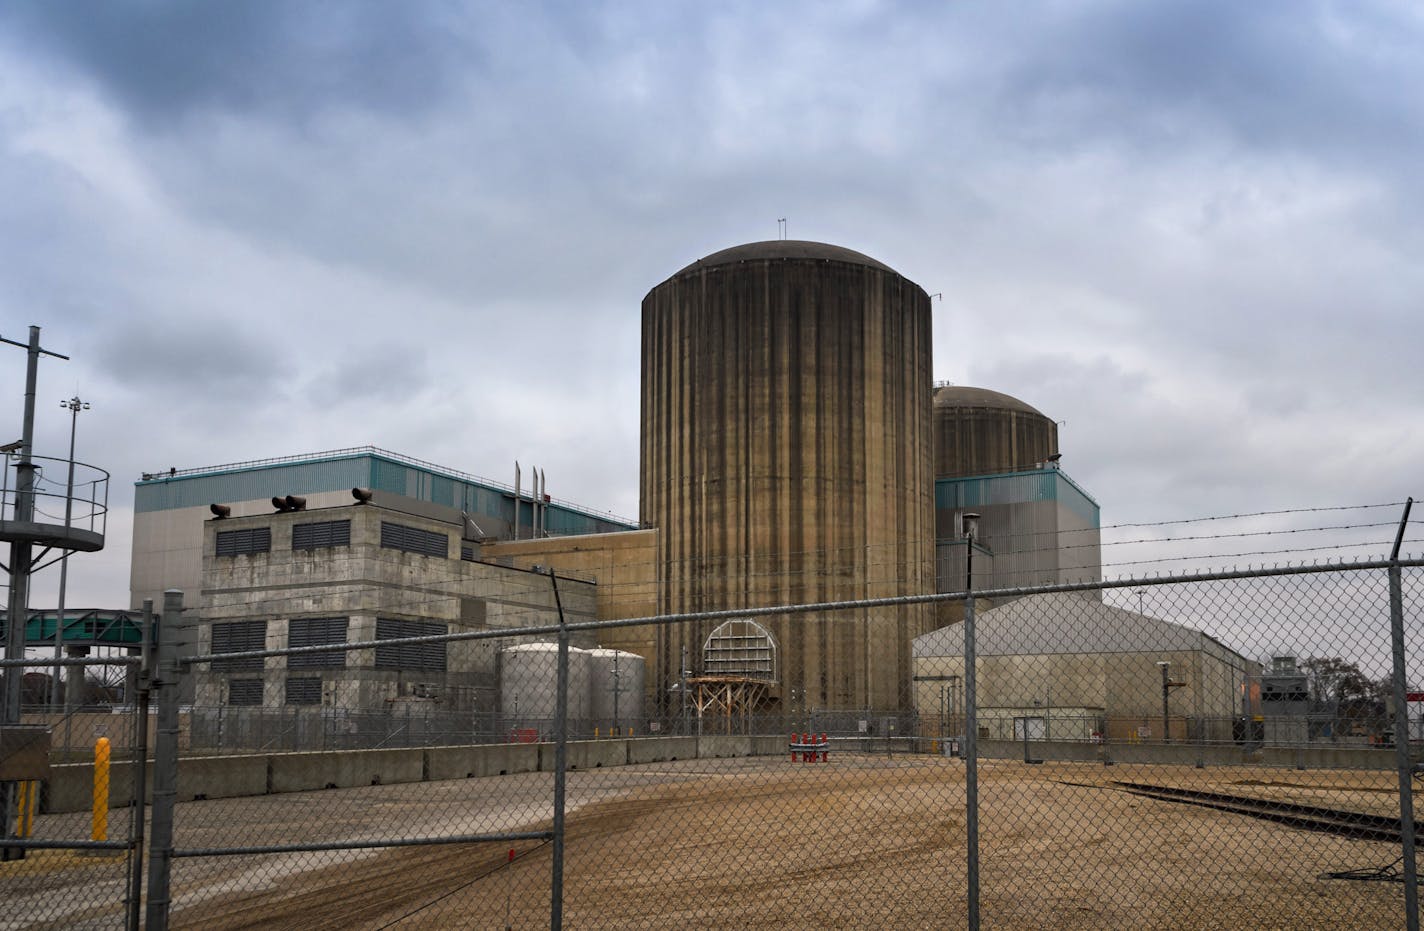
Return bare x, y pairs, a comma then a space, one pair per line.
718, 746
769, 745
661, 749
586, 754
479, 761
1329, 757
70, 786
1187, 754
218, 777
302, 772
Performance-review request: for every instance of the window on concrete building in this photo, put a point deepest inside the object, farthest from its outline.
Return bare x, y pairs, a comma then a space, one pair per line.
409, 655
239, 637
314, 631
320, 535
304, 691
240, 542
244, 692
415, 540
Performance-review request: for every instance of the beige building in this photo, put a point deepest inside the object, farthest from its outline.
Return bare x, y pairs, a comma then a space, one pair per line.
1067, 667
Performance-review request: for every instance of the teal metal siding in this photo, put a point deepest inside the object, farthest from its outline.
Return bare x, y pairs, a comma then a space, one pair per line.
364, 469
1015, 488
389, 476
302, 478
1078, 501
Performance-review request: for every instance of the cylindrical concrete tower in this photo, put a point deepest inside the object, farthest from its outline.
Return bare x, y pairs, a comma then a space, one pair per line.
786, 459
982, 432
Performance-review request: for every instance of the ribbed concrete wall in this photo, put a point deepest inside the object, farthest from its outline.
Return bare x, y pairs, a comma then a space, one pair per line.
786, 458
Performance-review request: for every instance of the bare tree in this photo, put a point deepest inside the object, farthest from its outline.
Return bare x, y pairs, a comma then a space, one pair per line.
1335, 682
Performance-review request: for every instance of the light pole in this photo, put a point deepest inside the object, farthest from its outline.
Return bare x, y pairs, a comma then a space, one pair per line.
1167, 686
74, 406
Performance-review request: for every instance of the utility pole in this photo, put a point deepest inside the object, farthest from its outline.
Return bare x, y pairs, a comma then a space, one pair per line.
21, 547
21, 559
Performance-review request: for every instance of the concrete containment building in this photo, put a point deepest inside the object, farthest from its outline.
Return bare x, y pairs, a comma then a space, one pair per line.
786, 459
983, 432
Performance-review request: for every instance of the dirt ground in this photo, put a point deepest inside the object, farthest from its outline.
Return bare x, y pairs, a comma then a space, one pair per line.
857, 842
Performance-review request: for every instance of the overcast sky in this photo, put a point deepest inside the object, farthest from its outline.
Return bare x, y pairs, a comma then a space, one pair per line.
1189, 231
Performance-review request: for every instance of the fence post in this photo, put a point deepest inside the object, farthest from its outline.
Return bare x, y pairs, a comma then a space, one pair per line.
561, 751
1401, 730
971, 766
165, 765
142, 683
1401, 749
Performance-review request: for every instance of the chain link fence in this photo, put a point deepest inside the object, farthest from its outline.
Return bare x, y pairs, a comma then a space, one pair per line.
1225, 750
74, 838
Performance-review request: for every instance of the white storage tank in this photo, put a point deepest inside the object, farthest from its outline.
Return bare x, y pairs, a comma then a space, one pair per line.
616, 689
528, 685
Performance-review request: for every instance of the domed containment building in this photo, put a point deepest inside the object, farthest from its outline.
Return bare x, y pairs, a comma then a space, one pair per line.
983, 432
786, 391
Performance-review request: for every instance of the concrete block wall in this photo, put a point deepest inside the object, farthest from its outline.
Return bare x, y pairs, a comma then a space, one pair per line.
70, 786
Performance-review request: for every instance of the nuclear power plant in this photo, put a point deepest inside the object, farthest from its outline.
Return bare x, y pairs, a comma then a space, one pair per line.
794, 449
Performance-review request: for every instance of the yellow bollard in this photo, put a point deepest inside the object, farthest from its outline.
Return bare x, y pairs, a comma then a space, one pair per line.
29, 804
100, 828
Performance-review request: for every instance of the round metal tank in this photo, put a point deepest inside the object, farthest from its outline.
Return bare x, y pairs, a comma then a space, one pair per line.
983, 432
528, 683
786, 458
616, 689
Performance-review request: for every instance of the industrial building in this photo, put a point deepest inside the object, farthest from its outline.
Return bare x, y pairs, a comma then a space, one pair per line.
794, 449
170, 507
375, 571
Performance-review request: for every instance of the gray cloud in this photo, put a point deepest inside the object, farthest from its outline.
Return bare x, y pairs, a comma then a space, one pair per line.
166, 61
1187, 229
